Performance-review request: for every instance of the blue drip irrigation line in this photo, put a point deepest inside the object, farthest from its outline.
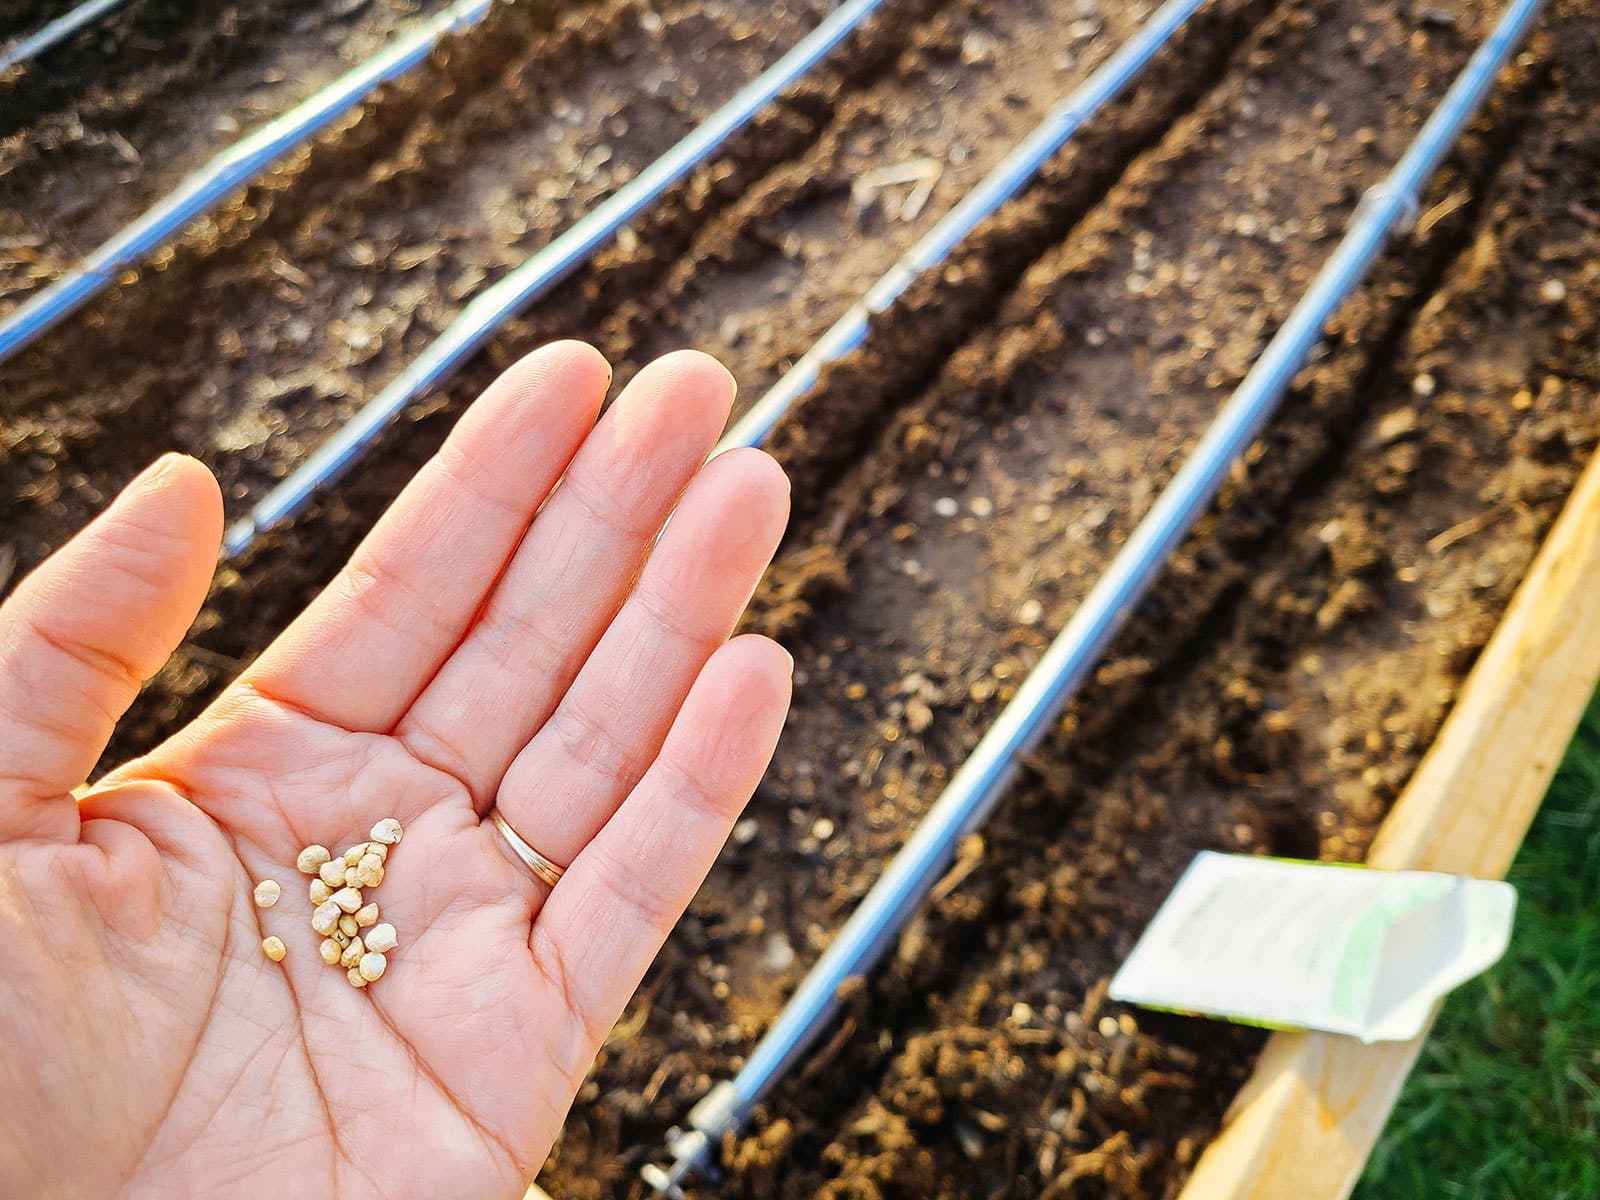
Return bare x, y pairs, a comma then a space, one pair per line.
55, 31
480, 318
993, 764
227, 171
1008, 177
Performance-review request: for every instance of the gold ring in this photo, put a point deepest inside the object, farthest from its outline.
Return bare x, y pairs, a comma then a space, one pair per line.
537, 863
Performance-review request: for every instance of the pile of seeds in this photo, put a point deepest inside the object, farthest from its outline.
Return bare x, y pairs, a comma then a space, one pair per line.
352, 936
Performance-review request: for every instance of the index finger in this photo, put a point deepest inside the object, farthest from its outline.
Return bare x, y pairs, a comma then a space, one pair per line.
368, 645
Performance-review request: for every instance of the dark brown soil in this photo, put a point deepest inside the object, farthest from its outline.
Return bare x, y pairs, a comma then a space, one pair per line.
1273, 695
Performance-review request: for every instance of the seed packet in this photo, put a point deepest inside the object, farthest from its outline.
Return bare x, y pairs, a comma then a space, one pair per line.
1303, 945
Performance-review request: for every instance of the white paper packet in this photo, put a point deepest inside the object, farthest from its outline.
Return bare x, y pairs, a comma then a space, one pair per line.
1304, 945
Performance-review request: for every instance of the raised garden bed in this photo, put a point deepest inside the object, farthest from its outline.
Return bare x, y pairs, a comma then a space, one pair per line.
1277, 694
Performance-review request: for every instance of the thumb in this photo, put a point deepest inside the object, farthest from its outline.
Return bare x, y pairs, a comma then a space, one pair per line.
82, 633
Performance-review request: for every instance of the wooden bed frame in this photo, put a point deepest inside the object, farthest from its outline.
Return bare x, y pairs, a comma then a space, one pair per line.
1303, 1125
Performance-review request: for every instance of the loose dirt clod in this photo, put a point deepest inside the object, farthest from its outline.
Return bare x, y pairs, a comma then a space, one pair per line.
267, 893
274, 948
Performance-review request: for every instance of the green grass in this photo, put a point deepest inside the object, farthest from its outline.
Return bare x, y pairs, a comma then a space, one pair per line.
1505, 1098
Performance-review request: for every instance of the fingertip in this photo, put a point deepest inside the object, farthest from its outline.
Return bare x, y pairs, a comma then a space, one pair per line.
761, 660
575, 356
700, 367
178, 497
749, 483
760, 467
570, 372
691, 380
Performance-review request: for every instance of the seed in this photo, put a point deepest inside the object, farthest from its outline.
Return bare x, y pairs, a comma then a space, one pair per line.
350, 877
355, 977
381, 938
352, 953
353, 855
367, 914
267, 893
330, 951
348, 899
369, 872
379, 850
387, 831
274, 949
372, 966
326, 919
312, 858
319, 891
332, 872
341, 937
348, 924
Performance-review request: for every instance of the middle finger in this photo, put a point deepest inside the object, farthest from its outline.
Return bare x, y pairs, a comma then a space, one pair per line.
571, 574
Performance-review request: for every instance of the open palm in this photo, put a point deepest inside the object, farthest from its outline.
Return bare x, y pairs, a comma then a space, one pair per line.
495, 641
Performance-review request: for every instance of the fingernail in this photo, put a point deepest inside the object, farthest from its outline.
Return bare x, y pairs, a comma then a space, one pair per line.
790, 657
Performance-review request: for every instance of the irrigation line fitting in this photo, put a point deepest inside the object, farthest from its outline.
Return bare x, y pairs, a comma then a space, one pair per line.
1072, 657
490, 308
226, 172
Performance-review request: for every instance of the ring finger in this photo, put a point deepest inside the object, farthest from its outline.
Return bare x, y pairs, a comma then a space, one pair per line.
609, 727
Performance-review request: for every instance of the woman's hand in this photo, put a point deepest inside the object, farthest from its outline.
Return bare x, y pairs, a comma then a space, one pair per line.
493, 642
